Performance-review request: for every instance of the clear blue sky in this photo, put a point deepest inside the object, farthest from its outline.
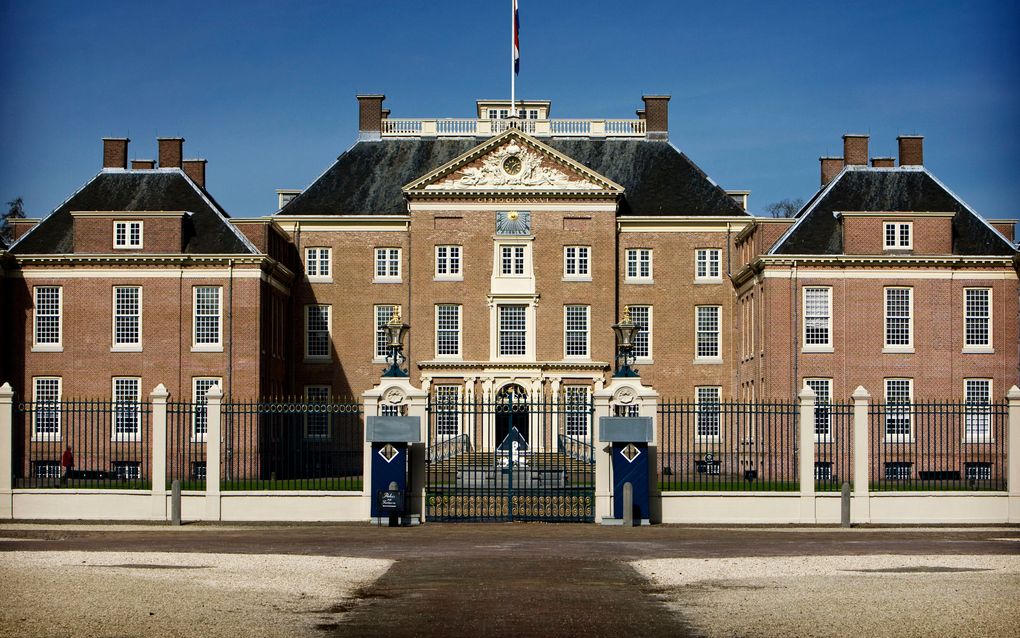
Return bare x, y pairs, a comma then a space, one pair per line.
264, 90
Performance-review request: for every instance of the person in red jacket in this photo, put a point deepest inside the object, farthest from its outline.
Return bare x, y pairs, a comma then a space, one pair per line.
67, 462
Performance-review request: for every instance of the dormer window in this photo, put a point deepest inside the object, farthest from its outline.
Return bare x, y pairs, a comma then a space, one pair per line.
898, 235
127, 234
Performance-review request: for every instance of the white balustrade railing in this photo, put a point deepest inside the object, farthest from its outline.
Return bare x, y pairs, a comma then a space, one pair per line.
464, 127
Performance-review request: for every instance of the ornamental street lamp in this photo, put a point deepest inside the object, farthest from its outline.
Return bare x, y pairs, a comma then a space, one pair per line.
625, 331
395, 331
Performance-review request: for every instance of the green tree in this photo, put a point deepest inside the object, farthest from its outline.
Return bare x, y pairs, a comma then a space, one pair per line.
15, 210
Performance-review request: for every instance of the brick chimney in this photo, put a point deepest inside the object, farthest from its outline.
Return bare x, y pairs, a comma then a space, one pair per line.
142, 164
911, 150
195, 169
115, 151
883, 162
171, 151
640, 114
855, 150
370, 114
656, 116
831, 166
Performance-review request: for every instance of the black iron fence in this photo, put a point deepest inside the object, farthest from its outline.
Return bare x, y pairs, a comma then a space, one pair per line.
186, 427
92, 444
727, 446
938, 446
298, 445
834, 445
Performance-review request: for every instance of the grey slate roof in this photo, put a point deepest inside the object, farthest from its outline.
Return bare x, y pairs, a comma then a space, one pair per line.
819, 232
659, 179
206, 230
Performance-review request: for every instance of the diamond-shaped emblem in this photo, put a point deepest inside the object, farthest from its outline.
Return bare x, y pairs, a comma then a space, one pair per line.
630, 452
388, 452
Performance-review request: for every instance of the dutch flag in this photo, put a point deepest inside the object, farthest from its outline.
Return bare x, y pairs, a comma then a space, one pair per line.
517, 42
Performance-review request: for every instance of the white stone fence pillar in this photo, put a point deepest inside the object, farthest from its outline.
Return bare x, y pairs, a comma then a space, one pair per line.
6, 442
159, 396
213, 443
806, 445
1013, 454
860, 510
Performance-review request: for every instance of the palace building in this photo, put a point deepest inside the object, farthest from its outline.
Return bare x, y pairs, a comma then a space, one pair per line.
510, 245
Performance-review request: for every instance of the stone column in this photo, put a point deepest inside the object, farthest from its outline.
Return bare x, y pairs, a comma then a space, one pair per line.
158, 397
806, 470
603, 460
860, 511
1013, 454
6, 443
213, 443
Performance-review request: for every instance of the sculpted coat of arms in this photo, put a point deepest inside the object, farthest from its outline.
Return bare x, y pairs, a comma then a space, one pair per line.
512, 167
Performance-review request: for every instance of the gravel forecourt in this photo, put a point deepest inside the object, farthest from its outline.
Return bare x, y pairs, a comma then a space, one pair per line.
869, 595
160, 594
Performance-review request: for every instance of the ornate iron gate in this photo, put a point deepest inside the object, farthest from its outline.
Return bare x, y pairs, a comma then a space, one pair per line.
510, 459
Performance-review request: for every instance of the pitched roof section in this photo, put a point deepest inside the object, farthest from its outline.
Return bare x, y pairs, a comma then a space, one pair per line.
206, 230
657, 178
906, 189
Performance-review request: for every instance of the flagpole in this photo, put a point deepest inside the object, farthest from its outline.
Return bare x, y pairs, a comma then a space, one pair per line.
513, 47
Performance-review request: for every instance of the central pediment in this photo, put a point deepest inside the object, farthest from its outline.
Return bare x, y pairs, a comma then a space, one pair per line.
513, 163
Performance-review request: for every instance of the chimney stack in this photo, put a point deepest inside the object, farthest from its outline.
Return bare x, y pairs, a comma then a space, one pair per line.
911, 150
656, 116
171, 151
195, 169
115, 152
143, 164
370, 115
831, 166
883, 162
855, 150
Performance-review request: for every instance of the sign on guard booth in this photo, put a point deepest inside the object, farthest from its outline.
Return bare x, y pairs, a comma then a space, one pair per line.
390, 436
629, 437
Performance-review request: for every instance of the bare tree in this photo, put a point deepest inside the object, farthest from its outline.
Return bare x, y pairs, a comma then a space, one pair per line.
785, 207
15, 210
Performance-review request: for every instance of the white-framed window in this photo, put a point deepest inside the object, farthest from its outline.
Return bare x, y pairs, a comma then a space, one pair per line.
127, 394
817, 318
448, 262
447, 402
317, 331
46, 399
513, 330
127, 470
388, 409
575, 331
707, 264
448, 330
639, 264
317, 414
642, 318
577, 410
977, 397
899, 395
48, 314
577, 262
899, 470
706, 417
898, 234
977, 471
899, 321
200, 415
511, 260
977, 319
387, 264
708, 325
823, 470
127, 318
319, 263
46, 470
383, 314
208, 326
823, 412
127, 234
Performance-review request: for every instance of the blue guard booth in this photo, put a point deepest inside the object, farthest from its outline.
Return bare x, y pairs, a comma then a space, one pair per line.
629, 438
390, 437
